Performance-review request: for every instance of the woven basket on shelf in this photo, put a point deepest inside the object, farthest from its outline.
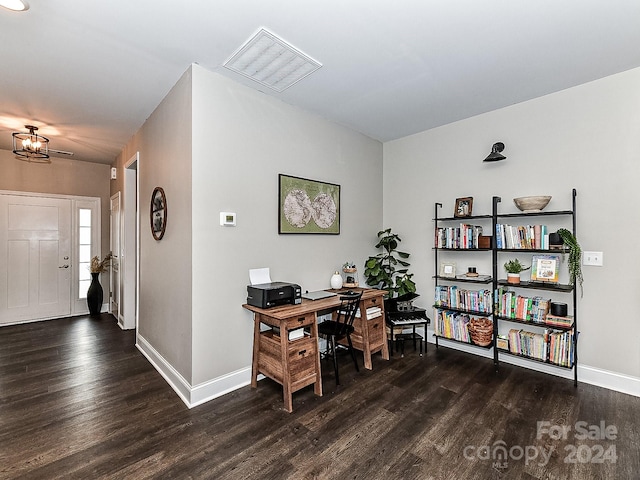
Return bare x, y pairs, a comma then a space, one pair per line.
481, 331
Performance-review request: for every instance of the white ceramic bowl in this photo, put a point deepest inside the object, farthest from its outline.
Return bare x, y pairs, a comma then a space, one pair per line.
532, 204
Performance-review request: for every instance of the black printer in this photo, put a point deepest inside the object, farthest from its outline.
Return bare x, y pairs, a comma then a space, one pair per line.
265, 295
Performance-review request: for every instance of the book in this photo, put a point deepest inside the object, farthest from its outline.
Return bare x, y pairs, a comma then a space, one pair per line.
545, 268
554, 320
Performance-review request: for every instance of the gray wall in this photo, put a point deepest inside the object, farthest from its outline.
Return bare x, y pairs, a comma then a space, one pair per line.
62, 177
164, 143
585, 137
193, 282
242, 140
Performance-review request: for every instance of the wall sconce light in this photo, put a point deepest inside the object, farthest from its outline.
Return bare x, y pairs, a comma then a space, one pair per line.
495, 154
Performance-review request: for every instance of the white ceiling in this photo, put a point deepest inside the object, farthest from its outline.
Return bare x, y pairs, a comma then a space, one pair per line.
90, 72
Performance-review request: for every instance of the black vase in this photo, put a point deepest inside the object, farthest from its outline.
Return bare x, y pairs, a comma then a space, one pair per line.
95, 295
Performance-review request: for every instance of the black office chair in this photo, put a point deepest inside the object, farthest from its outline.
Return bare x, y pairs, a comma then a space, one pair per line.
341, 327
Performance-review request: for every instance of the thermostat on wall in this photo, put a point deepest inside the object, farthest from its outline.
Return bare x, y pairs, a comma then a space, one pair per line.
227, 219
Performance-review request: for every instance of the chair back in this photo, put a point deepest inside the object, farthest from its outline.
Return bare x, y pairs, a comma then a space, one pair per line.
346, 313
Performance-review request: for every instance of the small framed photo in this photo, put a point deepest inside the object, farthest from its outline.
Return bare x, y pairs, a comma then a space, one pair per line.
463, 207
448, 270
545, 268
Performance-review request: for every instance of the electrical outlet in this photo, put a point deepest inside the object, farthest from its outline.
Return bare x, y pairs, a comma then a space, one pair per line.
592, 258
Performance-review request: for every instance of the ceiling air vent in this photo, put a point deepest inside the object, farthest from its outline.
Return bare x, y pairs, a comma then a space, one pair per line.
270, 61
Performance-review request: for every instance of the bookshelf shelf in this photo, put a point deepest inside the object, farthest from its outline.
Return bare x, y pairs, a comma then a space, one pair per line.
477, 313
442, 337
534, 324
464, 280
556, 287
528, 233
533, 359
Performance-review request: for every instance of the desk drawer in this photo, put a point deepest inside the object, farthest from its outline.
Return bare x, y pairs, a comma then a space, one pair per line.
300, 321
376, 333
373, 302
302, 359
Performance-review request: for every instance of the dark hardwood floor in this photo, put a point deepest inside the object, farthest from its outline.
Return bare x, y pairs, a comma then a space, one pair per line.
77, 400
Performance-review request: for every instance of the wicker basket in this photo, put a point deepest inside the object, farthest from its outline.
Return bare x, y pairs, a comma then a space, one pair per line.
481, 331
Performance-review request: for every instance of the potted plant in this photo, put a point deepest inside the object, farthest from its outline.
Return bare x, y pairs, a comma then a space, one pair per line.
575, 256
513, 268
381, 270
351, 277
95, 293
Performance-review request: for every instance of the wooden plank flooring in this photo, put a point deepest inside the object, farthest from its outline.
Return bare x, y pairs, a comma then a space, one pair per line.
77, 400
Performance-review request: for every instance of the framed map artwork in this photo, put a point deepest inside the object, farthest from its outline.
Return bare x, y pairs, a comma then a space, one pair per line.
308, 206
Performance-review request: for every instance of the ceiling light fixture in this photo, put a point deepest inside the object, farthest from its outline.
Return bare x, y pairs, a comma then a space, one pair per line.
31, 146
15, 5
495, 154
270, 61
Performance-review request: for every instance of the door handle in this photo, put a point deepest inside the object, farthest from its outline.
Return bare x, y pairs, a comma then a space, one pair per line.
64, 266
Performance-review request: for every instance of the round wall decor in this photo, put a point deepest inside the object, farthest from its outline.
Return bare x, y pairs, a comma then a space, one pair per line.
158, 213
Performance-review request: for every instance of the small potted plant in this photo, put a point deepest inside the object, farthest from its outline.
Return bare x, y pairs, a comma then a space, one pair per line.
350, 273
513, 268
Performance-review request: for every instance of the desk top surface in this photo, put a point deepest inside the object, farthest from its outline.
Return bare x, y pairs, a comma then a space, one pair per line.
310, 306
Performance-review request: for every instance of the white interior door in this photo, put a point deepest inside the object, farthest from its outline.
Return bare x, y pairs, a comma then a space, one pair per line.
116, 220
35, 258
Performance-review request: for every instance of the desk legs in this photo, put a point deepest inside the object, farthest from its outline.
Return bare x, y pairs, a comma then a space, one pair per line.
256, 350
317, 387
289, 363
286, 373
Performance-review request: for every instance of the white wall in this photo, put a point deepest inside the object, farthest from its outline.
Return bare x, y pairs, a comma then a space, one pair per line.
586, 138
242, 140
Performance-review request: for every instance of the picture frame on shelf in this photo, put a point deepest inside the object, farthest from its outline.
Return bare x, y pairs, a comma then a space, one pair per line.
464, 207
448, 269
545, 268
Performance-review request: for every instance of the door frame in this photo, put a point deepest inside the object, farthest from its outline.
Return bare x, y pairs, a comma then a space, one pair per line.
77, 306
130, 246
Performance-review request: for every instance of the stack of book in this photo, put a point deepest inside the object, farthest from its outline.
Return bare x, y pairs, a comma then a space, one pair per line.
525, 237
372, 312
556, 321
561, 348
462, 299
529, 309
529, 344
464, 237
452, 325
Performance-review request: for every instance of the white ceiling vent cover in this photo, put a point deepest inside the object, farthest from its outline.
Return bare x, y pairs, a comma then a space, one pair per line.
270, 61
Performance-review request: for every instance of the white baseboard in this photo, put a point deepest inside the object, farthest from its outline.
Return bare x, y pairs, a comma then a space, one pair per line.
170, 374
193, 396
611, 380
594, 376
220, 386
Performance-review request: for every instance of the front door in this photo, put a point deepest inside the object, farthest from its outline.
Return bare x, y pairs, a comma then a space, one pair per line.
35, 258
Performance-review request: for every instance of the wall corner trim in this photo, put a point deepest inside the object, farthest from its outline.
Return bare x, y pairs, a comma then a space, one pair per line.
193, 396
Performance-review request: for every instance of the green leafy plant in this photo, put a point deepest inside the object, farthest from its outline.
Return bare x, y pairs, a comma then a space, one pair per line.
381, 271
514, 266
575, 257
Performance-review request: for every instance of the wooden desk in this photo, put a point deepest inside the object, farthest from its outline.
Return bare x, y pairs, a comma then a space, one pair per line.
296, 363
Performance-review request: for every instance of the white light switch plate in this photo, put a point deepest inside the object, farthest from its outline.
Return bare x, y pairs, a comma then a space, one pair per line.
592, 258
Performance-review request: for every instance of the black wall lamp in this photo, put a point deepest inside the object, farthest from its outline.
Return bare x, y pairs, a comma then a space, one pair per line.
495, 154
